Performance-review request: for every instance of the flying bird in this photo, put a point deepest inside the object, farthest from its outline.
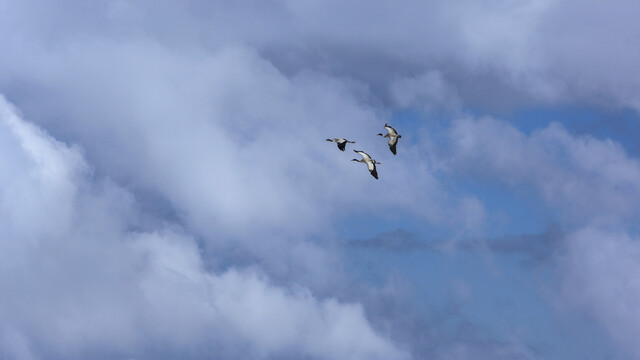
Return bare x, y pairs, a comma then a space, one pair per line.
341, 142
393, 138
371, 164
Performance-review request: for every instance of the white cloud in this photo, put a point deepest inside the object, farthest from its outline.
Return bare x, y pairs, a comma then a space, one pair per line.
591, 181
600, 271
76, 282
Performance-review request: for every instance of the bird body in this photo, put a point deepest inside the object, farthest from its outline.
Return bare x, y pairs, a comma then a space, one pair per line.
393, 136
341, 142
371, 164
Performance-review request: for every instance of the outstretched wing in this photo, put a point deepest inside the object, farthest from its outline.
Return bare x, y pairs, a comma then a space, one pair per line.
341, 145
372, 170
393, 140
364, 155
391, 130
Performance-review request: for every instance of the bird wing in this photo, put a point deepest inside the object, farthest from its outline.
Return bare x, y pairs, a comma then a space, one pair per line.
373, 171
371, 166
341, 145
391, 130
364, 155
393, 140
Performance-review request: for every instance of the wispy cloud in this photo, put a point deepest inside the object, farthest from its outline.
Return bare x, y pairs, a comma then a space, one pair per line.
535, 248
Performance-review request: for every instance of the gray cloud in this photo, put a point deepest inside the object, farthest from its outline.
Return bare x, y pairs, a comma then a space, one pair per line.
533, 248
519, 51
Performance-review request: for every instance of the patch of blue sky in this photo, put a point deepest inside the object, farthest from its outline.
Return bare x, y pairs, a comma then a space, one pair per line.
621, 125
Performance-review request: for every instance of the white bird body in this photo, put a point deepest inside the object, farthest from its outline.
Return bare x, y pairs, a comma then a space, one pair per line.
341, 142
393, 136
371, 163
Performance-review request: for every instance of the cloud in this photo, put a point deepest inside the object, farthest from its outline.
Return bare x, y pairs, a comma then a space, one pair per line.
77, 281
534, 248
427, 91
199, 128
592, 181
593, 185
520, 51
599, 270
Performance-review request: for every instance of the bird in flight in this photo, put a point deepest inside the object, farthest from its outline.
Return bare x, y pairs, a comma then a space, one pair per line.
371, 164
393, 137
341, 142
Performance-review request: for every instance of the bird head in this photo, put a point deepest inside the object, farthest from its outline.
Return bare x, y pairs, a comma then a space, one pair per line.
380, 134
328, 140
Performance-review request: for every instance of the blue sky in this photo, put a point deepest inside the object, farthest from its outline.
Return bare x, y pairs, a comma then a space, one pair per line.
166, 191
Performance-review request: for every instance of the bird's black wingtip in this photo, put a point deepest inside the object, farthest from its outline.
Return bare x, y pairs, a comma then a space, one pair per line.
393, 149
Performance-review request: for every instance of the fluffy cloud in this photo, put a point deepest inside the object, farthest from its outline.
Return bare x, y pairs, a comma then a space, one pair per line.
589, 180
552, 50
600, 271
77, 280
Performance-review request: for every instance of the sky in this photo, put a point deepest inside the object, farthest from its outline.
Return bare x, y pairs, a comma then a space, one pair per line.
166, 191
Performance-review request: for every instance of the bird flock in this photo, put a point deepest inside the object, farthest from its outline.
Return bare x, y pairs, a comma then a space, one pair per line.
393, 136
